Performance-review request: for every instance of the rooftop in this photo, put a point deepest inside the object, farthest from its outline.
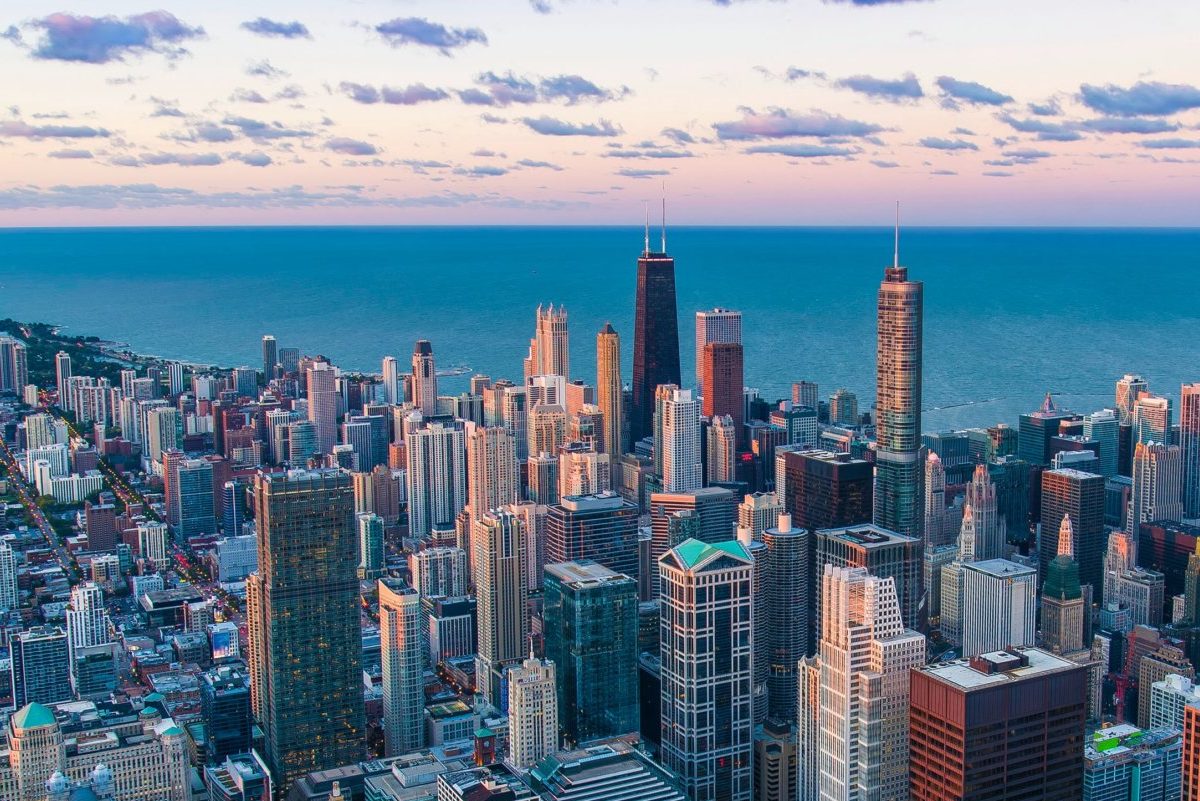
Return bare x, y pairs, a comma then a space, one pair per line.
867, 535
962, 675
585, 573
1001, 568
693, 552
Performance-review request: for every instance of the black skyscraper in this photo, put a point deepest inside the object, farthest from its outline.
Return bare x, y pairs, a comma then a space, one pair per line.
655, 336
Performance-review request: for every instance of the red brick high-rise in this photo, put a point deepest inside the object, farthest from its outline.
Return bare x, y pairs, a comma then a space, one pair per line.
722, 384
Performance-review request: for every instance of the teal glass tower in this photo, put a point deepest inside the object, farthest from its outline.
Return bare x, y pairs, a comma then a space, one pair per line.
591, 618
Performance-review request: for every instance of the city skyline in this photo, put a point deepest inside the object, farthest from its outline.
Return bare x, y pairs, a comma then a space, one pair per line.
517, 112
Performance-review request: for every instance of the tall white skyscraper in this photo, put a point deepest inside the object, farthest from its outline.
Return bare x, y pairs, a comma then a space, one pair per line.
8, 578
999, 606
323, 404
679, 421
436, 477
439, 571
547, 429
532, 712
401, 662
391, 380
1189, 442
549, 350
499, 561
62, 376
546, 388
1103, 427
935, 501
722, 449
164, 431
424, 378
14, 365
716, 325
493, 475
87, 627
1157, 492
854, 721
706, 618
1151, 418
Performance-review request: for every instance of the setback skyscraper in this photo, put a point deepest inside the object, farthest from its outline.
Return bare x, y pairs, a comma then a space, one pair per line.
655, 335
424, 378
401, 664
1189, 443
898, 502
609, 390
715, 325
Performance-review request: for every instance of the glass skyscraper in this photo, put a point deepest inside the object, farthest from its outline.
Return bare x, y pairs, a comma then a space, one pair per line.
655, 336
591, 616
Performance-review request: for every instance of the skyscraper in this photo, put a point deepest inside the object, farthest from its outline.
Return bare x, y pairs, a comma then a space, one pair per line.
787, 576
323, 404
14, 364
843, 408
985, 538
999, 606
821, 489
371, 555
1151, 418
934, 525
884, 553
1080, 495
609, 388
707, 720
1103, 428
1189, 444
401, 654
532, 712
499, 560
856, 738
602, 528
1036, 430
679, 419
493, 477
655, 335
303, 611
40, 666
897, 500
391, 380
551, 349
424, 378
591, 618
193, 489
722, 450
722, 383
62, 379
1157, 485
1062, 597
270, 357
1129, 387
436, 476
8, 578
719, 326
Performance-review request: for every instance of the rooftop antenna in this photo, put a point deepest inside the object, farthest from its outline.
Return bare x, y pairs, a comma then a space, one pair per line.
646, 205
896, 252
664, 217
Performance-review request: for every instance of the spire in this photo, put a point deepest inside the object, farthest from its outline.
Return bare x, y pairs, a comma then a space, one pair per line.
896, 251
647, 209
1048, 404
1066, 538
664, 218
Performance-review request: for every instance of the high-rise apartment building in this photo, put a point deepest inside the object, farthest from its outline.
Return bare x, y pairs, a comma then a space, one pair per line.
843, 408
602, 528
532, 712
40, 666
62, 378
1189, 445
499, 562
14, 362
590, 628
436, 477
822, 489
723, 326
323, 404
9, 596
722, 383
424, 378
655, 336
721, 435
787, 575
493, 475
1157, 485
854, 729
999, 727
270, 358
707, 719
679, 420
193, 489
303, 609
400, 648
390, 369
609, 389
805, 393
897, 500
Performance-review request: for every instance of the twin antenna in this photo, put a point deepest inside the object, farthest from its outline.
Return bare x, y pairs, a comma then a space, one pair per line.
664, 222
896, 252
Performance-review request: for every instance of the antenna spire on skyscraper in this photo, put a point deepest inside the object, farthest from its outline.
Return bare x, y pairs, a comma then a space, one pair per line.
646, 206
896, 251
664, 217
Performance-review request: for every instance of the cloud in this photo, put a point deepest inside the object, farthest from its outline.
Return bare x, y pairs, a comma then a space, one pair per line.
1026, 155
16, 128
181, 159
506, 89
165, 108
864, 2
629, 172
70, 154
246, 96
100, 40
263, 131
211, 132
1141, 99
409, 95
1046, 131
999, 174
1130, 125
796, 74
280, 30
549, 126
1050, 108
885, 165
803, 151
255, 159
900, 90
938, 143
264, 69
678, 136
351, 147
779, 123
481, 171
942, 172
418, 31
647, 150
539, 164
954, 90
1169, 144
541, 6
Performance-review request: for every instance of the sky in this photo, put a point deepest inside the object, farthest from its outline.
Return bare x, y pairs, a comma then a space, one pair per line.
555, 112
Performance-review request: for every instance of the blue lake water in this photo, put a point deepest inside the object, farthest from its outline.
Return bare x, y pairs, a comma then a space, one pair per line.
1009, 313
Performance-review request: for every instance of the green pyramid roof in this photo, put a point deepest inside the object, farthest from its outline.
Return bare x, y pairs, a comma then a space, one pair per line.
33, 716
1062, 579
692, 552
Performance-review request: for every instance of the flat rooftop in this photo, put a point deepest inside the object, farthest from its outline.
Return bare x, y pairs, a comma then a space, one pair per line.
959, 673
867, 535
1001, 568
585, 573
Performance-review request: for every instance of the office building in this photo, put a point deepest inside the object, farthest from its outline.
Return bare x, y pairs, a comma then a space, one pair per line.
822, 489
722, 382
999, 607
500, 561
1151, 419
424, 379
985, 537
1036, 431
1002, 726
547, 429
225, 710
1168, 697
883, 553
707, 720
1125, 763
1189, 445
679, 421
371, 551
451, 626
854, 729
1081, 496
843, 408
897, 498
436, 477
655, 336
193, 487
1062, 597
532, 712
800, 423
270, 358
307, 548
613, 771
722, 450
609, 389
602, 528
1157, 485
549, 351
40, 666
400, 647
758, 512
710, 513
1129, 387
323, 404
590, 630
1166, 660
62, 377
1103, 428
719, 326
